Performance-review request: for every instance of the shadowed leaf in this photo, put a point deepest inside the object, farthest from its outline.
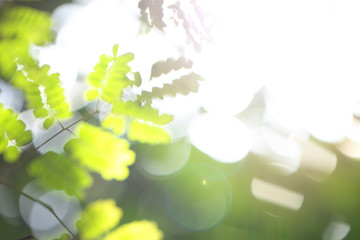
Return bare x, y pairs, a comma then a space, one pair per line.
164, 67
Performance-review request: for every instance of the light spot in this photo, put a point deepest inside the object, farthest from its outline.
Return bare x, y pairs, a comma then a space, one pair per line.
277, 195
226, 139
336, 231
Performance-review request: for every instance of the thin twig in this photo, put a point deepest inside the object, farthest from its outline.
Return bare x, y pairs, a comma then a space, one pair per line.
45, 205
27, 237
62, 126
72, 132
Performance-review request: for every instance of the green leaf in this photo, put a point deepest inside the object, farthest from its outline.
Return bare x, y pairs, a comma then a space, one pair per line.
109, 77
115, 123
102, 152
97, 218
136, 230
25, 23
43, 92
146, 133
64, 236
48, 122
3, 144
13, 134
57, 171
145, 112
92, 94
11, 154
115, 50
40, 112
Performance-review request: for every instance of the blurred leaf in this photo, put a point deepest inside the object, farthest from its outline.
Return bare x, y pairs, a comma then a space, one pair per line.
98, 218
12, 51
193, 22
152, 13
109, 77
137, 230
115, 123
64, 236
11, 154
48, 122
54, 171
25, 23
184, 85
102, 152
144, 112
137, 78
12, 134
146, 133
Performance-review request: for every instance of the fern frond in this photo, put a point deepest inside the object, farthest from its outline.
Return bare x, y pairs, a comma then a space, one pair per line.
12, 134
102, 152
184, 85
54, 171
147, 133
192, 22
109, 77
25, 23
97, 218
145, 112
12, 50
164, 67
136, 230
43, 93
152, 13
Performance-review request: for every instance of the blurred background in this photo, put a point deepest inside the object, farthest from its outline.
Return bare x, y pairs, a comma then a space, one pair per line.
268, 149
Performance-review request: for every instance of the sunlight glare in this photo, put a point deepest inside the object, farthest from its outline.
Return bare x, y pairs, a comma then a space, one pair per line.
336, 231
226, 139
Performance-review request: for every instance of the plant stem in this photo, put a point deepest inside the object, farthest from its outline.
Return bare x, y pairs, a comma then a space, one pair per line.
45, 205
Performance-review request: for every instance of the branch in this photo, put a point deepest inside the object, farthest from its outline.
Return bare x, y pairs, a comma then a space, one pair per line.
45, 205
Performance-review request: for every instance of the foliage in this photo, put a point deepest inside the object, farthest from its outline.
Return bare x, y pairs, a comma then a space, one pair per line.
43, 93
101, 152
20, 27
191, 19
136, 230
109, 77
99, 217
12, 134
102, 147
57, 171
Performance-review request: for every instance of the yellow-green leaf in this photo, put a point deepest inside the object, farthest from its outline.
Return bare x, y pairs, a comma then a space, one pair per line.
146, 133
92, 94
48, 122
137, 230
115, 123
102, 152
97, 218
11, 154
54, 171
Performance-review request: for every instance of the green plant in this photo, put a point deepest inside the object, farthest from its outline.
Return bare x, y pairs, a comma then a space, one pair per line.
101, 147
